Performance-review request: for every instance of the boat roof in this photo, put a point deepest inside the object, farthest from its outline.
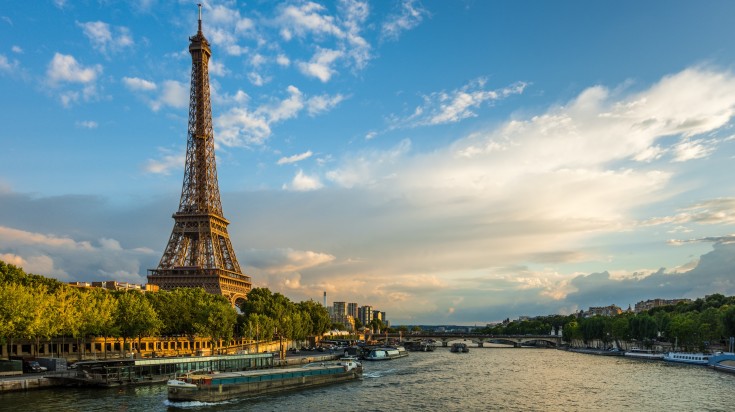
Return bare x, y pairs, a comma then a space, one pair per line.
258, 372
171, 360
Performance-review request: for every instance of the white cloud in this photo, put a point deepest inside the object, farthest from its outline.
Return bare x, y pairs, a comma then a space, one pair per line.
320, 65
225, 27
239, 127
105, 38
302, 182
17, 49
295, 158
257, 80
217, 68
690, 149
174, 94
323, 103
341, 32
283, 60
369, 167
7, 65
531, 187
64, 72
10, 237
719, 211
242, 127
307, 18
67, 259
65, 68
451, 107
135, 83
410, 15
285, 109
167, 162
87, 124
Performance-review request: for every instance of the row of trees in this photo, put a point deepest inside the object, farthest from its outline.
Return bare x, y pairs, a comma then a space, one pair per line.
690, 326
272, 314
38, 309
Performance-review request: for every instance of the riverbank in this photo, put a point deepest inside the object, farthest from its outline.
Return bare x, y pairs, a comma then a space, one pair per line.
61, 378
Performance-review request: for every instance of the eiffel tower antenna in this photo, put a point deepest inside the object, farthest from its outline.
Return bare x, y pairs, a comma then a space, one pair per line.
199, 252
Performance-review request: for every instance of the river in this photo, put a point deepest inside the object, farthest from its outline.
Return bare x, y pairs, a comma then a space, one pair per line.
483, 379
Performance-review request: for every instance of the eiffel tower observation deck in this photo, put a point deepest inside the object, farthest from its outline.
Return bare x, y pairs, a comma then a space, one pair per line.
199, 252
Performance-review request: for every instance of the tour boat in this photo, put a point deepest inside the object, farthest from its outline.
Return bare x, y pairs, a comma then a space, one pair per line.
386, 353
207, 387
459, 348
644, 354
688, 358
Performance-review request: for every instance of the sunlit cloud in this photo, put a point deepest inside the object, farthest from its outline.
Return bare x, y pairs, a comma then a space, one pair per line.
295, 158
302, 182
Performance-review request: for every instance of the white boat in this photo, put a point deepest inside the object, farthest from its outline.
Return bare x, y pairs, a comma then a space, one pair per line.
386, 353
644, 354
688, 358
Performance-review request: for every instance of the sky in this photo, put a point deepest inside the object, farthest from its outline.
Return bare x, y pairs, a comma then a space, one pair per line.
447, 162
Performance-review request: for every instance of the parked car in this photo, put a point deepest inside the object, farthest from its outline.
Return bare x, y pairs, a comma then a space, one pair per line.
33, 367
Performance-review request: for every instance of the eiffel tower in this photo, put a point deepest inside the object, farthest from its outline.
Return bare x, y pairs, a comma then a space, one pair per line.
199, 252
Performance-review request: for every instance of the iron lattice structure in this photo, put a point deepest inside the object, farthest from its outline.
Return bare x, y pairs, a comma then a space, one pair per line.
199, 252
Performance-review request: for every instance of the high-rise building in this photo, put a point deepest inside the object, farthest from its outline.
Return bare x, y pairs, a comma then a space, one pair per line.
352, 309
340, 308
365, 314
199, 252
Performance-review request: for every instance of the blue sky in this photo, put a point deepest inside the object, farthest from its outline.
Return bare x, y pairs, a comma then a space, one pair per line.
446, 162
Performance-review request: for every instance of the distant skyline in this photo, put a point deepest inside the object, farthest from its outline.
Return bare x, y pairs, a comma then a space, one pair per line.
448, 162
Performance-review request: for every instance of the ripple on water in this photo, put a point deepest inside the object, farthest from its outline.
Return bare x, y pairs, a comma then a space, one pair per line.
484, 379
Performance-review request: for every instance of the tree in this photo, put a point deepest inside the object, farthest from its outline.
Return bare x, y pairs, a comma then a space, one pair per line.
65, 316
220, 320
135, 317
15, 300
685, 329
319, 316
728, 321
97, 314
620, 328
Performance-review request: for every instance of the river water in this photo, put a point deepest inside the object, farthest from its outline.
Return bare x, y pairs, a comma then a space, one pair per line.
483, 379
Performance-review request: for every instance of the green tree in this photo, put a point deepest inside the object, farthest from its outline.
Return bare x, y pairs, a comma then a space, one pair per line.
97, 314
728, 321
220, 321
135, 317
685, 330
15, 299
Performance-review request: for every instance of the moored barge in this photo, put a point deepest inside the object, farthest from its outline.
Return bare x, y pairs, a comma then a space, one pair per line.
215, 387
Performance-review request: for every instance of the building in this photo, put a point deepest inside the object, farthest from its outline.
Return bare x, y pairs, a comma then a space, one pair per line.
114, 285
340, 308
199, 252
643, 306
365, 314
611, 310
352, 309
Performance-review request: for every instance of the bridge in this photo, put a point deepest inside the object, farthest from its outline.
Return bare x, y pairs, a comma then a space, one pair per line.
479, 339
